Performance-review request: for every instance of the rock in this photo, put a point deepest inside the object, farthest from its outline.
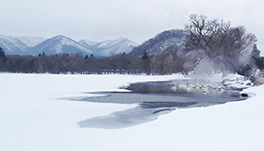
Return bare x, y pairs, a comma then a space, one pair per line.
259, 81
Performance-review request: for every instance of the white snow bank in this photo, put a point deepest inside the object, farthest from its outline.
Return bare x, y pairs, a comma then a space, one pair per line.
229, 127
33, 118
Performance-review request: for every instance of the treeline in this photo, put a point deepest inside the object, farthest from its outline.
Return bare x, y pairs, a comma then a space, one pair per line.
167, 62
164, 63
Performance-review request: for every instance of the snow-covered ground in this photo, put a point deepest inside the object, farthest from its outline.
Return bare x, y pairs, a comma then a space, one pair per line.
35, 117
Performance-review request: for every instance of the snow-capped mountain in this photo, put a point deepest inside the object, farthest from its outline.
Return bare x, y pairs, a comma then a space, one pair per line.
31, 41
111, 47
58, 45
62, 44
161, 42
12, 45
88, 43
117, 46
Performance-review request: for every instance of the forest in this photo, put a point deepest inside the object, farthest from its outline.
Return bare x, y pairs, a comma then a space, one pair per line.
226, 48
76, 63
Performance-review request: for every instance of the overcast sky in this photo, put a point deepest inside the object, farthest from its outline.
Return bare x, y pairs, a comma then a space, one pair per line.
138, 20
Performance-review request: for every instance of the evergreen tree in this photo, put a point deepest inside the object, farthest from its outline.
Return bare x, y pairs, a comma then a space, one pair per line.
146, 62
145, 54
2, 55
2, 58
91, 56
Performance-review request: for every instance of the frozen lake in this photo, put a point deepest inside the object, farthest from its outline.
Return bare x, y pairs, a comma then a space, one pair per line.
36, 114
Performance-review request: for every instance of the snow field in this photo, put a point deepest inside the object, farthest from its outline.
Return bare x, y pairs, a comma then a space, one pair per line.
34, 115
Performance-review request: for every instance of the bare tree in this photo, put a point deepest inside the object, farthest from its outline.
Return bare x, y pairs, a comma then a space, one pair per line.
223, 45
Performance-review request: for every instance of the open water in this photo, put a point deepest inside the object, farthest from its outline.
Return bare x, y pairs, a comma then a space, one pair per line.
157, 98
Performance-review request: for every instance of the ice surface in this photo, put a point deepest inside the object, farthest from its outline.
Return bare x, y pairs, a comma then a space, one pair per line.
34, 118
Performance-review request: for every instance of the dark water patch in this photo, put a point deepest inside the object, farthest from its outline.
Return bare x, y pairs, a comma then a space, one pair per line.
162, 87
146, 105
183, 87
244, 95
157, 98
161, 110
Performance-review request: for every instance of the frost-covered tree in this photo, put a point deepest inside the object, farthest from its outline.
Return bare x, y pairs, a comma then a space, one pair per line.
227, 47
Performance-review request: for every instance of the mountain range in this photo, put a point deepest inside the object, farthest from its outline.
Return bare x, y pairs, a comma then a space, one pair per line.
164, 41
170, 39
62, 44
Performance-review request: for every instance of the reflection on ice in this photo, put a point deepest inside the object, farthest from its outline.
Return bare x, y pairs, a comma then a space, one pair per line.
145, 112
121, 119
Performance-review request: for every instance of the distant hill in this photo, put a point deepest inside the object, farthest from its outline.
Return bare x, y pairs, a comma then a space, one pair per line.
31, 41
59, 45
110, 47
161, 42
12, 45
62, 44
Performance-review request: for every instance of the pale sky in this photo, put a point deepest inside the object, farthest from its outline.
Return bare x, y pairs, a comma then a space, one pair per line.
138, 20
